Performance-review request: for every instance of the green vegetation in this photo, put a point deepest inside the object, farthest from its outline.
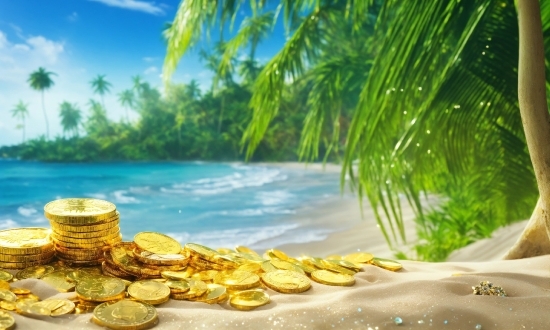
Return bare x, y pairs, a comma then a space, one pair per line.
20, 112
41, 80
431, 90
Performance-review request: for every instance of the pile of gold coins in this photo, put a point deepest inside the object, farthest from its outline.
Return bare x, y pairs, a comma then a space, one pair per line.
25, 247
81, 227
121, 282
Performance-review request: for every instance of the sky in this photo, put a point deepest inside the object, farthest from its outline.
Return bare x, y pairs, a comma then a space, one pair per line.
80, 39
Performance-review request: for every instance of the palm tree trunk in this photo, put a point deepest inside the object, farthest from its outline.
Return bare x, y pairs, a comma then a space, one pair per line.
45, 117
534, 114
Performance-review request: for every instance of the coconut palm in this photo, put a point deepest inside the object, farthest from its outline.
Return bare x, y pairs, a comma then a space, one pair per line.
193, 90
127, 100
100, 86
70, 117
20, 112
437, 111
41, 80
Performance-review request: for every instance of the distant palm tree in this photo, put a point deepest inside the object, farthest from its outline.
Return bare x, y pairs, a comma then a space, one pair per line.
193, 90
70, 117
40, 80
126, 99
137, 83
20, 112
101, 86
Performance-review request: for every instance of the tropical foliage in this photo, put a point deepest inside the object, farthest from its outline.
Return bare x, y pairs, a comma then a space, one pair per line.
431, 90
20, 112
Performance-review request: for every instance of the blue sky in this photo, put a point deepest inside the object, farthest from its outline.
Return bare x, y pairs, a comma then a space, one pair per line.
79, 39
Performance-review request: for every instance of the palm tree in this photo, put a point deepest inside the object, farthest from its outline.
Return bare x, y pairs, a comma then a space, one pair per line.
41, 80
20, 112
137, 83
193, 90
436, 113
126, 99
100, 86
70, 117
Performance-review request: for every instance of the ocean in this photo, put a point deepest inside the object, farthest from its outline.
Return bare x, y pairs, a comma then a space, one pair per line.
216, 204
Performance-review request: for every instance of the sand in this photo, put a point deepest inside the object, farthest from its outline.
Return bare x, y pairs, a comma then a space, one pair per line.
423, 295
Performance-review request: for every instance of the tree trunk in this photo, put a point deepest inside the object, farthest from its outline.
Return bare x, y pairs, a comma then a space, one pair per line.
45, 117
535, 239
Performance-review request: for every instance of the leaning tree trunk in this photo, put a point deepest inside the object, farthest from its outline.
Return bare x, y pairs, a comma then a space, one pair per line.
535, 239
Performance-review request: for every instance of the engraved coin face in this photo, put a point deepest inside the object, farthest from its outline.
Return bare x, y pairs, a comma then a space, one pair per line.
5, 276
21, 238
125, 314
79, 207
152, 292
58, 280
177, 286
56, 306
100, 288
286, 281
239, 280
157, 243
359, 257
387, 264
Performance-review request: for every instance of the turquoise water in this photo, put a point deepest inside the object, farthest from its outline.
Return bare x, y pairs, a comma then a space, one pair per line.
210, 203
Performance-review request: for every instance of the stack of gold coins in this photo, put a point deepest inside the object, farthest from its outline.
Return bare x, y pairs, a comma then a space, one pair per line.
82, 228
25, 247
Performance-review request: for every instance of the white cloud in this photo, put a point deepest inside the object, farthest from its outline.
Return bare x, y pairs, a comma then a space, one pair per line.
151, 70
137, 5
150, 59
47, 49
73, 17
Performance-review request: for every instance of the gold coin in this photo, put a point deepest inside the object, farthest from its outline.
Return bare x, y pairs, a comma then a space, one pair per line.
79, 211
168, 274
227, 260
6, 320
196, 289
244, 249
224, 250
80, 263
5, 276
205, 275
329, 265
93, 240
77, 251
58, 280
239, 280
250, 267
359, 257
26, 307
249, 299
286, 281
56, 306
312, 262
125, 315
330, 278
306, 268
157, 243
215, 293
334, 257
160, 259
267, 266
22, 258
100, 288
7, 295
387, 264
201, 251
94, 227
7, 305
148, 291
346, 264
98, 244
25, 241
178, 286
249, 256
114, 271
88, 235
20, 291
21, 265
4, 285
203, 264
279, 254
285, 265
